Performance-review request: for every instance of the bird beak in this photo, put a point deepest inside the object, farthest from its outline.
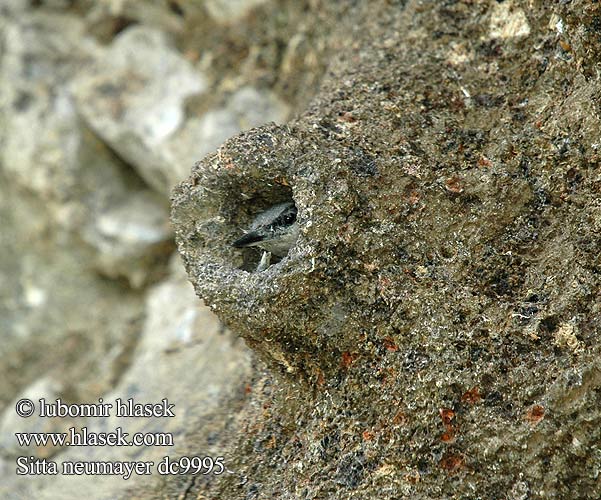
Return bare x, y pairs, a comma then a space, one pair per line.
248, 240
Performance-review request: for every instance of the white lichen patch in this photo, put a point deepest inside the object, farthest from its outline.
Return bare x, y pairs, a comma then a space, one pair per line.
507, 21
458, 54
556, 23
565, 337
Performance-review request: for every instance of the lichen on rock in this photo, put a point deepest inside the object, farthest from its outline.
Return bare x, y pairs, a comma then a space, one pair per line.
447, 201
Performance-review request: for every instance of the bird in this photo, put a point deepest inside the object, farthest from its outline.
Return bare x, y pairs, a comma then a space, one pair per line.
274, 230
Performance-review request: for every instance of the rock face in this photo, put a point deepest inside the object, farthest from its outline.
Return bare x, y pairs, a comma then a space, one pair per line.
134, 99
94, 303
434, 333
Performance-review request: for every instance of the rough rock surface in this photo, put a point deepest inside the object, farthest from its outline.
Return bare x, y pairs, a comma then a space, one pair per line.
435, 331
134, 99
226, 11
89, 306
177, 332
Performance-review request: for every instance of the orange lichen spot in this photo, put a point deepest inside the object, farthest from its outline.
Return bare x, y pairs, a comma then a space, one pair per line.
367, 435
484, 162
448, 436
386, 376
565, 45
347, 359
454, 184
472, 396
535, 414
446, 415
452, 462
390, 345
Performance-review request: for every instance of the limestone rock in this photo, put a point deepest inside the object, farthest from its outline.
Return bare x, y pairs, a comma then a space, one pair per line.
10, 423
183, 355
228, 11
134, 99
246, 108
131, 238
41, 132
